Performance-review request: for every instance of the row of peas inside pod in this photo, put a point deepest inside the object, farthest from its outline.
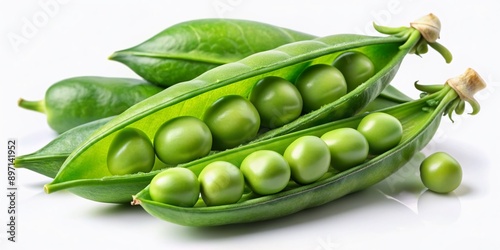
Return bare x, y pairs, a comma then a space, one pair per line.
264, 172
233, 120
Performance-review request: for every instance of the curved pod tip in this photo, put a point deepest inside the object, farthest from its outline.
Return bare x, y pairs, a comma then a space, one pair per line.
429, 26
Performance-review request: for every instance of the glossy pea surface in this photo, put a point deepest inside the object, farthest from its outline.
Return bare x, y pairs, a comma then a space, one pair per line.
175, 186
233, 120
440, 172
277, 100
130, 152
355, 67
266, 171
320, 84
182, 139
381, 130
309, 159
221, 183
348, 147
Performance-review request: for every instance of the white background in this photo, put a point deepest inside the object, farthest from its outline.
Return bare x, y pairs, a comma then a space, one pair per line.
73, 38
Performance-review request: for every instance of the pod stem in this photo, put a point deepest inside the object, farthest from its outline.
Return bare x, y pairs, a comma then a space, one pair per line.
422, 33
38, 106
466, 86
455, 92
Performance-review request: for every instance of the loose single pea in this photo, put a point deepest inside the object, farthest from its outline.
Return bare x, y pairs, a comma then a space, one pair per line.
382, 131
175, 186
441, 173
233, 121
130, 152
320, 84
182, 139
277, 100
356, 68
221, 183
348, 147
266, 172
309, 159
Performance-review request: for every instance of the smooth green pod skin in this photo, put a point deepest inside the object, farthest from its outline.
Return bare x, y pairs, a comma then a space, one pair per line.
319, 85
441, 173
221, 183
277, 100
382, 131
193, 97
49, 159
266, 172
355, 67
347, 146
233, 120
309, 159
130, 152
182, 139
175, 186
79, 100
186, 50
420, 119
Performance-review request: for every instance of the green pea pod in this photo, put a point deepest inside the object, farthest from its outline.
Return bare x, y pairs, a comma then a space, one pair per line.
420, 120
78, 100
85, 172
49, 159
186, 50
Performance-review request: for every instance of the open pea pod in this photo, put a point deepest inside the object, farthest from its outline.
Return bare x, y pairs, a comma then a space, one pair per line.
420, 120
85, 172
49, 159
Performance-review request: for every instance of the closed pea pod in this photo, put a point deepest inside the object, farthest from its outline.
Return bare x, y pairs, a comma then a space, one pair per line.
185, 50
420, 118
194, 97
78, 100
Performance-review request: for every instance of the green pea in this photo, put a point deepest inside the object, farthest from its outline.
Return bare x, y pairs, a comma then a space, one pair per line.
175, 186
309, 159
381, 130
182, 139
221, 183
348, 147
265, 171
130, 152
233, 121
320, 84
356, 68
277, 100
441, 173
